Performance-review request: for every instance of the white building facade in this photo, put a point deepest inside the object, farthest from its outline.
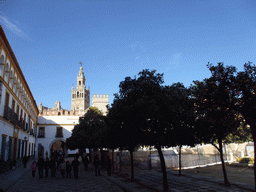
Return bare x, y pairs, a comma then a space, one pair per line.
18, 109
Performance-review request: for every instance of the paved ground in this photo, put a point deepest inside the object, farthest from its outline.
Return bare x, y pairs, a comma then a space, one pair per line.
145, 180
242, 174
187, 182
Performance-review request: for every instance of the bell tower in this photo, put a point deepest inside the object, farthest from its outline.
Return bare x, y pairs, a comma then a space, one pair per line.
80, 96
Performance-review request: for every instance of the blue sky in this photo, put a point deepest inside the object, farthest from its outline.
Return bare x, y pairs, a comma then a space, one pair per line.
119, 38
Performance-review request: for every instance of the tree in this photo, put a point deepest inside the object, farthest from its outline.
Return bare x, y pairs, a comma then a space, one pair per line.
181, 117
246, 100
89, 132
140, 106
214, 106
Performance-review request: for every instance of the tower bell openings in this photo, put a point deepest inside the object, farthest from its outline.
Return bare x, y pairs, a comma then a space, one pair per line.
80, 99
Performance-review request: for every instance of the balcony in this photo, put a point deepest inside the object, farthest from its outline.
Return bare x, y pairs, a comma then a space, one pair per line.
58, 135
15, 118
40, 136
7, 113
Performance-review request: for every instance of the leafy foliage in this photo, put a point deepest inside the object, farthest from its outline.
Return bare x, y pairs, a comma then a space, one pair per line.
89, 132
214, 106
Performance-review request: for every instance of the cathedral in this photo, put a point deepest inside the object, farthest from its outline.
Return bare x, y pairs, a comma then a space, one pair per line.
55, 124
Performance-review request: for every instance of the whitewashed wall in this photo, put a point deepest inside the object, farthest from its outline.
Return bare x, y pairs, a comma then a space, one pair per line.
50, 123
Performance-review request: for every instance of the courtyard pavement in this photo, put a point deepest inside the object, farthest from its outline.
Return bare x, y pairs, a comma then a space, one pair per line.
21, 179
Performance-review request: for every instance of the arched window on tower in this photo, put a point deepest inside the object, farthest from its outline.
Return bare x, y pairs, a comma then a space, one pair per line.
79, 82
77, 94
82, 95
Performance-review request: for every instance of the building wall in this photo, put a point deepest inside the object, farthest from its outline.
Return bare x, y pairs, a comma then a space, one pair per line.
15, 127
50, 124
101, 102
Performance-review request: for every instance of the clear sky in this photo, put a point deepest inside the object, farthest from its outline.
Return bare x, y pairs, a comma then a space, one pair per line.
118, 38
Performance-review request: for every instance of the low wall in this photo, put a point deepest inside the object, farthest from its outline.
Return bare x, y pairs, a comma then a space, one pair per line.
147, 159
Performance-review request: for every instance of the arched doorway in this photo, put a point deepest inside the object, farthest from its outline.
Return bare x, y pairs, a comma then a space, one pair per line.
58, 147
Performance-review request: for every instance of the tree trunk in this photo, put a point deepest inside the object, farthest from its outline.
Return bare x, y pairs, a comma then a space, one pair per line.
227, 183
113, 168
120, 158
249, 118
150, 163
179, 160
253, 128
132, 168
163, 167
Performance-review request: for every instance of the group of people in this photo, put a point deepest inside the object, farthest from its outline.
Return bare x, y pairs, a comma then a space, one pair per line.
55, 164
65, 167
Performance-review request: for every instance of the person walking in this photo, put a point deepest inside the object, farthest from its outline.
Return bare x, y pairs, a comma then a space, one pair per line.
40, 165
85, 161
75, 164
46, 167
63, 168
68, 169
24, 161
109, 163
52, 165
97, 165
33, 167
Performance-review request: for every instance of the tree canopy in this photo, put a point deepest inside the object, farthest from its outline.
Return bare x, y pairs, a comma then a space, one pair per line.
89, 132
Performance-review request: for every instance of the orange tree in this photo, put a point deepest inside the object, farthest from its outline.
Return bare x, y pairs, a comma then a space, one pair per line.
122, 129
246, 100
138, 112
181, 117
214, 101
89, 132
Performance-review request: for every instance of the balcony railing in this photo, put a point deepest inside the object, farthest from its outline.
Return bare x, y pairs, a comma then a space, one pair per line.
8, 113
59, 135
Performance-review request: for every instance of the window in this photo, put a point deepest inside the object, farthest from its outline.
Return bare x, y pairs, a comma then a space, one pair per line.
77, 95
19, 147
59, 132
18, 110
41, 132
13, 107
24, 122
3, 147
7, 114
21, 113
79, 82
1, 85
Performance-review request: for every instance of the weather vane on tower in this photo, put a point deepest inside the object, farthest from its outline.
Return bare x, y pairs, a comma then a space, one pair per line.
80, 63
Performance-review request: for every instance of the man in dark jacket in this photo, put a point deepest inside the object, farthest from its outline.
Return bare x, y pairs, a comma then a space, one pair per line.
109, 166
52, 166
40, 165
46, 167
75, 164
97, 165
24, 161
